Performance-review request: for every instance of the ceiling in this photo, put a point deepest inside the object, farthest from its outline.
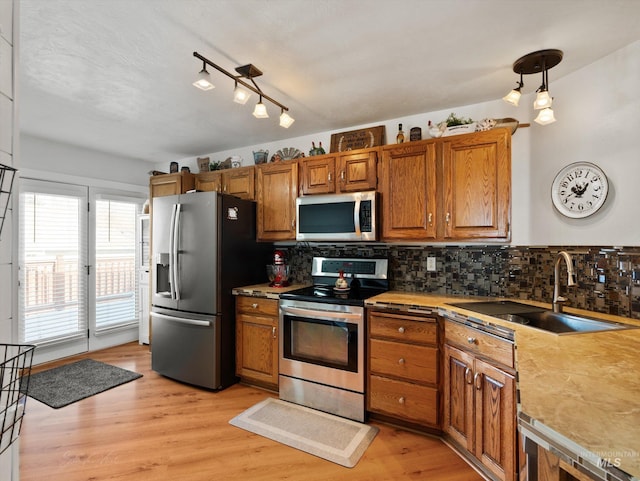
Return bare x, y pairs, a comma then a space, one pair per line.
115, 75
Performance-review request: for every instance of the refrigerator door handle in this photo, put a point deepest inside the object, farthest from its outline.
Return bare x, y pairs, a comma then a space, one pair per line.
181, 320
171, 250
176, 258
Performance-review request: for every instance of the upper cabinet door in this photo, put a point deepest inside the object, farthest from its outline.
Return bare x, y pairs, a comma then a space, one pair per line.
318, 175
171, 184
277, 192
239, 182
477, 185
408, 191
357, 171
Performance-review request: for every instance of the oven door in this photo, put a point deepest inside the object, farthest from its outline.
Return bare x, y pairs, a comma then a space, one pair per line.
322, 343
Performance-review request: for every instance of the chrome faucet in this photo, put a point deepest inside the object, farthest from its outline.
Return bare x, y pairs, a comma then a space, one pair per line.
558, 300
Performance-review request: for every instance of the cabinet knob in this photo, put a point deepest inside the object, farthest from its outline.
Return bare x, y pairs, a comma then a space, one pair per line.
401, 400
401, 330
430, 218
447, 218
471, 340
401, 361
254, 305
273, 332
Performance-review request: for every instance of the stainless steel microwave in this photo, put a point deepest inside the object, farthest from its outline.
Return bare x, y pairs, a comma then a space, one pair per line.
337, 217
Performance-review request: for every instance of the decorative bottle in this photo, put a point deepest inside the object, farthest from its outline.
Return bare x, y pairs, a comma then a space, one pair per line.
400, 136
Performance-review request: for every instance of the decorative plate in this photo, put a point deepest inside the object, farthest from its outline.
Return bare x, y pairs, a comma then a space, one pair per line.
289, 153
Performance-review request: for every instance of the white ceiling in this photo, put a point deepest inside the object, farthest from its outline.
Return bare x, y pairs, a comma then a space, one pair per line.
115, 75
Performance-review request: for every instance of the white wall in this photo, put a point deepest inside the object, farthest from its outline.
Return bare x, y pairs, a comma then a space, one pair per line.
9, 459
598, 112
46, 159
597, 109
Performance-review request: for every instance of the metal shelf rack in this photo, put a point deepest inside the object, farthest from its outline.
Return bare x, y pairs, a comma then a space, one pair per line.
15, 370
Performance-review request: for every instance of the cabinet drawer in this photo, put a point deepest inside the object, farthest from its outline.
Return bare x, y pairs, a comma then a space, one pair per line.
257, 305
478, 342
403, 328
407, 361
403, 400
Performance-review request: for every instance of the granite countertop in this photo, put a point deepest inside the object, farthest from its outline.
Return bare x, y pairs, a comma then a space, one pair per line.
264, 290
581, 390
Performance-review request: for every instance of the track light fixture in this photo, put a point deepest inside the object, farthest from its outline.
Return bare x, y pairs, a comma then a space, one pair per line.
536, 62
242, 90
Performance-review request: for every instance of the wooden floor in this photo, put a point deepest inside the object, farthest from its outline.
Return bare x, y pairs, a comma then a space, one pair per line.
158, 429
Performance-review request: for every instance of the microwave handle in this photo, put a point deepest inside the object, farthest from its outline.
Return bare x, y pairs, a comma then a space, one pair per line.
356, 217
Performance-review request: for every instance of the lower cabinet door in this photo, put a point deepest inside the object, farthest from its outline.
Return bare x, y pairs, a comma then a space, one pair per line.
458, 396
403, 400
257, 349
495, 429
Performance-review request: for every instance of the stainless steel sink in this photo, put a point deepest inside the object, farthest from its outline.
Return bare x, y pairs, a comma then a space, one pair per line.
562, 323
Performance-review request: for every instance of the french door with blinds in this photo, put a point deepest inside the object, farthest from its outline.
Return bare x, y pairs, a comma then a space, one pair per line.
78, 279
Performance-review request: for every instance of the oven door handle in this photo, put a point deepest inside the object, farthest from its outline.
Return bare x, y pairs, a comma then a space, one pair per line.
317, 313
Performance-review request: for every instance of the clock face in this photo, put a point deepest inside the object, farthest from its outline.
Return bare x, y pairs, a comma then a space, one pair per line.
579, 189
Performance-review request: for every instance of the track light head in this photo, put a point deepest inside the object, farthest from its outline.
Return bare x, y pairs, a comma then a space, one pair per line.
203, 81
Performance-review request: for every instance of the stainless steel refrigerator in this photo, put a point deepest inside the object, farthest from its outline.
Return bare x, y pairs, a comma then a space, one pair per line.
203, 245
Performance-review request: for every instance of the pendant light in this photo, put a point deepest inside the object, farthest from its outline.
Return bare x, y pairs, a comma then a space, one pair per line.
286, 120
240, 94
203, 82
260, 111
536, 62
513, 97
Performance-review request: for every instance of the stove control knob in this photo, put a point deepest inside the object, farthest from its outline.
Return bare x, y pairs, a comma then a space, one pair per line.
401, 330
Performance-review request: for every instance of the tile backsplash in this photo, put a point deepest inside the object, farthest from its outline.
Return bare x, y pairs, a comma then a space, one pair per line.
608, 277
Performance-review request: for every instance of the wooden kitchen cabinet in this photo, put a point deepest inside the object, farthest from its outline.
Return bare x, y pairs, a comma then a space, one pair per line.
257, 341
408, 191
479, 400
452, 188
477, 185
404, 371
351, 171
171, 184
277, 190
239, 182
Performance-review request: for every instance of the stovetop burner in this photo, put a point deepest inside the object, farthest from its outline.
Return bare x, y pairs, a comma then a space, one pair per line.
367, 278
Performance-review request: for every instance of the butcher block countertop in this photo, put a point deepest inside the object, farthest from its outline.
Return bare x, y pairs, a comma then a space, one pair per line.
579, 392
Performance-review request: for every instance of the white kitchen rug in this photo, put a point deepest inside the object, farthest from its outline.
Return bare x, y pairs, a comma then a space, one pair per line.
330, 437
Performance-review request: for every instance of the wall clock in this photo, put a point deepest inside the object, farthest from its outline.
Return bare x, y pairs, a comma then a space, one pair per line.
579, 190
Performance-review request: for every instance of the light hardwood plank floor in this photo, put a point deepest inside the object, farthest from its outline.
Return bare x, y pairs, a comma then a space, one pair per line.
158, 429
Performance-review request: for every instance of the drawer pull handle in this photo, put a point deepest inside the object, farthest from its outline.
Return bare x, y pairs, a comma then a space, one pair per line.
401, 330
401, 400
401, 361
477, 380
273, 332
254, 305
471, 340
467, 375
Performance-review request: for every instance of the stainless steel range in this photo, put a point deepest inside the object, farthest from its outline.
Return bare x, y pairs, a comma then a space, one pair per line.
322, 336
